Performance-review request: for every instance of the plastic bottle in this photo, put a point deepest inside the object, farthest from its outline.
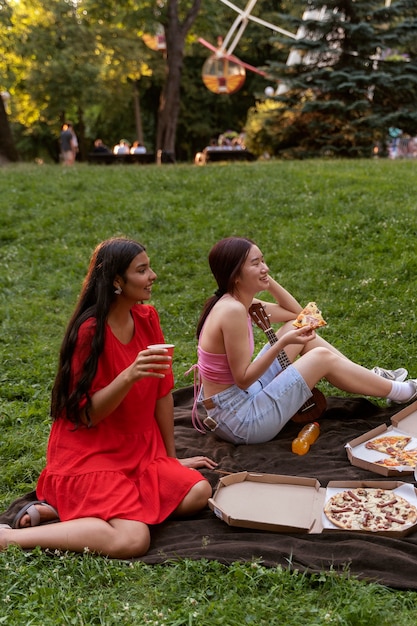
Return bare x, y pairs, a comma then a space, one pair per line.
306, 437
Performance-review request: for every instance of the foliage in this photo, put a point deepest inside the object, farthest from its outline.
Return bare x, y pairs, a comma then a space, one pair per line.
329, 231
81, 61
86, 60
357, 64
70, 63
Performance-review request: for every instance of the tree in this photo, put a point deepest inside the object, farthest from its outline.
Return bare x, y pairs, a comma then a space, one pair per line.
349, 87
85, 60
7, 147
176, 28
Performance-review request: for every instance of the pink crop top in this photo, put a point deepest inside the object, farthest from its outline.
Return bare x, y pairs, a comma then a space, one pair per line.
215, 367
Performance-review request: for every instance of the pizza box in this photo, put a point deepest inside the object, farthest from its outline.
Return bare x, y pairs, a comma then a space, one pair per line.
292, 504
269, 502
402, 423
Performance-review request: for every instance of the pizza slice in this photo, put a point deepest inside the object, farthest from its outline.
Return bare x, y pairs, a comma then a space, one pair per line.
389, 444
310, 316
409, 457
389, 461
405, 458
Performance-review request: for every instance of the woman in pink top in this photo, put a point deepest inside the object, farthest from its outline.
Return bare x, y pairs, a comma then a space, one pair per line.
250, 400
111, 467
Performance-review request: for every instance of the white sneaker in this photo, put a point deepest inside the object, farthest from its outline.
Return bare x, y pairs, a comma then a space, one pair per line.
413, 397
398, 375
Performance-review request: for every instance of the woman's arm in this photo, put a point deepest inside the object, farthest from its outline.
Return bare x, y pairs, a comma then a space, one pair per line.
234, 327
106, 400
164, 415
284, 308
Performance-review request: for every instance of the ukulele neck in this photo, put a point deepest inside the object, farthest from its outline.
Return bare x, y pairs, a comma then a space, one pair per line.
282, 357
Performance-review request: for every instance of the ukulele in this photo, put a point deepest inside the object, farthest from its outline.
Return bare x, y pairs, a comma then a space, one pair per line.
317, 404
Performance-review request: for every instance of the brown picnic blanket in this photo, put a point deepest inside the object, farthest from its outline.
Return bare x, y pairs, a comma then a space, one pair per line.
389, 561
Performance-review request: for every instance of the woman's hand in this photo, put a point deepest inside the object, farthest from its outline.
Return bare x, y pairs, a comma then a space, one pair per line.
153, 363
286, 307
193, 462
299, 336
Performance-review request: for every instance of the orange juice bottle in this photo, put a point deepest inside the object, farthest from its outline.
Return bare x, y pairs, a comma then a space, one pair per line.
306, 437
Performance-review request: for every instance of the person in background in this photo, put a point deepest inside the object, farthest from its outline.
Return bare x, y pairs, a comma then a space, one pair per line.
111, 468
123, 147
100, 148
137, 148
68, 145
74, 143
249, 401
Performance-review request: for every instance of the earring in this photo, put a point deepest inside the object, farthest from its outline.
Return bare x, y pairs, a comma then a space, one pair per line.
118, 291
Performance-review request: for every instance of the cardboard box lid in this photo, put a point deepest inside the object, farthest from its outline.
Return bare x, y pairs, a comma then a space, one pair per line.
402, 423
269, 502
406, 419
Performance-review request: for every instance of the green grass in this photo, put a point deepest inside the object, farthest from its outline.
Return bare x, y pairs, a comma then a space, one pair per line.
341, 233
37, 589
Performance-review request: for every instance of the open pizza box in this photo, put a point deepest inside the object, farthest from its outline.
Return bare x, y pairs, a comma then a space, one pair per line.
402, 423
290, 504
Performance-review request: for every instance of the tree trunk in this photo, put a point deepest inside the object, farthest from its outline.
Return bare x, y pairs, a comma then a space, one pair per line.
138, 114
169, 104
7, 147
82, 155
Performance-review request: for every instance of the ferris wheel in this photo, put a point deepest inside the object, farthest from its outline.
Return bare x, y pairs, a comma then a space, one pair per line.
224, 73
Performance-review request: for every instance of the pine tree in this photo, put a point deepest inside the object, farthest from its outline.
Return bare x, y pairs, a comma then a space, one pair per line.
355, 78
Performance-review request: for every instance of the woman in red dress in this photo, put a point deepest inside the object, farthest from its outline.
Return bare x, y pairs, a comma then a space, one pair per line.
111, 468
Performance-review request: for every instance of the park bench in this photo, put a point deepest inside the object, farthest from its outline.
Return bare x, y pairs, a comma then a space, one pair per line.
121, 159
215, 154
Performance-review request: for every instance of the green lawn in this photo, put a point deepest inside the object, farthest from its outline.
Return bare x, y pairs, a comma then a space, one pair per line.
341, 233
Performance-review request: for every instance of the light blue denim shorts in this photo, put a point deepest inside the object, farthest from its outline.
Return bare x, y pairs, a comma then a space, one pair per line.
258, 413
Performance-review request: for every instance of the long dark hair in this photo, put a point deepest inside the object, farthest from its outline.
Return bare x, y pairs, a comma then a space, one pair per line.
111, 258
225, 259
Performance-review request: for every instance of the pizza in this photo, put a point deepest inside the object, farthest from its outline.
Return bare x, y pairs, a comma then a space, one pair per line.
373, 510
393, 446
404, 458
388, 444
310, 316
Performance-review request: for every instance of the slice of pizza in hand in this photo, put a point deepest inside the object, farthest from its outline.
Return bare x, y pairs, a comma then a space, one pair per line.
310, 316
